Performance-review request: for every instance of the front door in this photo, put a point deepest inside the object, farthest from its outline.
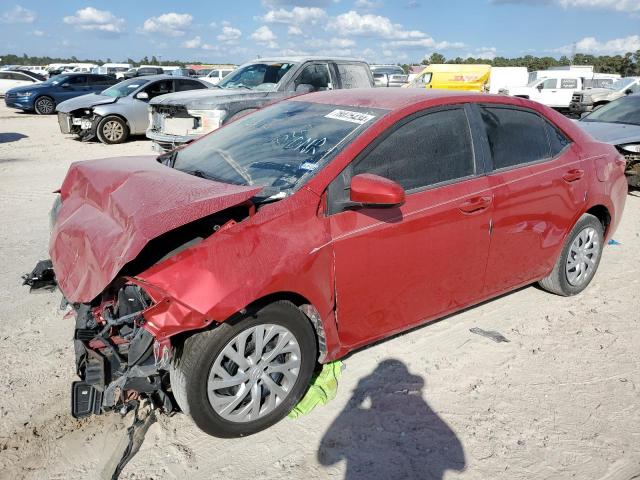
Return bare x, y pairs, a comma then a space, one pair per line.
396, 267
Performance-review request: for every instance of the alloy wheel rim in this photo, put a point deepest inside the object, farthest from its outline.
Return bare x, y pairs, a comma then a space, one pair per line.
112, 130
254, 373
583, 257
45, 105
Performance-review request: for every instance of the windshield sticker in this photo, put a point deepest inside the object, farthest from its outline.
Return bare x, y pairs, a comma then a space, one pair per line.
349, 116
309, 166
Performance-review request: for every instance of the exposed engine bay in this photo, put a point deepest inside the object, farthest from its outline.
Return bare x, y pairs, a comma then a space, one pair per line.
119, 362
632, 170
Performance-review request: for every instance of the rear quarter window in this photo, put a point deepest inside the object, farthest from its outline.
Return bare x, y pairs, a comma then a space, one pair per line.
354, 75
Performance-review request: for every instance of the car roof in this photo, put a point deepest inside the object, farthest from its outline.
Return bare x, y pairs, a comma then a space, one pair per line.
385, 98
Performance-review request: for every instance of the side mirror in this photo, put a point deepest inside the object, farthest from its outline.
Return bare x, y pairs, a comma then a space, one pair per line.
628, 91
142, 96
305, 88
540, 86
374, 190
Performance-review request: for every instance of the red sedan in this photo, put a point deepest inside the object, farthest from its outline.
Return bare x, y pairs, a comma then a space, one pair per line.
215, 279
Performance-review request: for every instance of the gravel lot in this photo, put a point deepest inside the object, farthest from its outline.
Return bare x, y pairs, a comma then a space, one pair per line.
559, 400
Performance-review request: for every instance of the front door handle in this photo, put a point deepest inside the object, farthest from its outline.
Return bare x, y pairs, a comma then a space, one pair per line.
573, 175
476, 204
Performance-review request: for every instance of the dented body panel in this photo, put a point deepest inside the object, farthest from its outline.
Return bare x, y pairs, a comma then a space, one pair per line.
112, 208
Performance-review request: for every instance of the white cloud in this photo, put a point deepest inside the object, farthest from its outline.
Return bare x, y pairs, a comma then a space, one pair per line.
90, 18
322, 43
293, 30
195, 42
352, 23
366, 4
38, 33
610, 47
265, 36
171, 24
296, 16
229, 34
616, 5
18, 14
427, 42
484, 52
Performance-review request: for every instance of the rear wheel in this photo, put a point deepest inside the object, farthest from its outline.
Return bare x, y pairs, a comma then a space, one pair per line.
578, 260
45, 105
243, 377
112, 130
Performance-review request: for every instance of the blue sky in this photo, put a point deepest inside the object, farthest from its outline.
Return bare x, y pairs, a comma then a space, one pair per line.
377, 30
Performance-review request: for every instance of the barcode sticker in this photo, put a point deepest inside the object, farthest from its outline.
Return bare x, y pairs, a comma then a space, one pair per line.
349, 116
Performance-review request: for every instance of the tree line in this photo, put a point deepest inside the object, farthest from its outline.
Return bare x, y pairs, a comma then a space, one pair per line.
627, 65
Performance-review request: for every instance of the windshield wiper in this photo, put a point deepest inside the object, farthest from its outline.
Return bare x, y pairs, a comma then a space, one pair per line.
202, 174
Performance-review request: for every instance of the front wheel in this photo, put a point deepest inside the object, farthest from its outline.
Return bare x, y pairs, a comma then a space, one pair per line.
245, 376
112, 130
578, 260
44, 105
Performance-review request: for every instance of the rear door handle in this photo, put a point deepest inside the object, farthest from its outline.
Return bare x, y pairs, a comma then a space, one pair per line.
476, 204
573, 175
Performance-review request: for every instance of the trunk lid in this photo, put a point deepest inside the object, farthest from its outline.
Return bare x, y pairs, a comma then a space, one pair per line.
111, 208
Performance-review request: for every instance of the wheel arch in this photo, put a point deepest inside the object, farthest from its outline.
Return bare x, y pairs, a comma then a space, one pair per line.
304, 305
115, 114
601, 212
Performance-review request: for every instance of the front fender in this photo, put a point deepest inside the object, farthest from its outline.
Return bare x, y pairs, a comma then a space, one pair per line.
282, 248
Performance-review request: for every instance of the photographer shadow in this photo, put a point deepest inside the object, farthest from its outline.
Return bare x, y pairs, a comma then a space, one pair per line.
388, 431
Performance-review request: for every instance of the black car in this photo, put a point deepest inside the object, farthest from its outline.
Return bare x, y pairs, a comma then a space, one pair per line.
143, 71
35, 76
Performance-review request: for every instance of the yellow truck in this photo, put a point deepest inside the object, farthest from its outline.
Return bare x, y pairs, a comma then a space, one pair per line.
451, 76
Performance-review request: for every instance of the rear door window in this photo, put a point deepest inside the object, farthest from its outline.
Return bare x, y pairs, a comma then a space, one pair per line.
182, 85
515, 136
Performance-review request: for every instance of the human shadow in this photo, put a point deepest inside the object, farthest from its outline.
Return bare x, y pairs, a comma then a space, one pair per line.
388, 431
11, 137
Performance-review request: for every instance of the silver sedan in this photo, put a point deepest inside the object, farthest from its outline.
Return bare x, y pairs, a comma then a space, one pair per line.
114, 114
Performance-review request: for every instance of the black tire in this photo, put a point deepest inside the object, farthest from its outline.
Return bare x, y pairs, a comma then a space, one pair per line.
191, 367
557, 282
44, 105
112, 130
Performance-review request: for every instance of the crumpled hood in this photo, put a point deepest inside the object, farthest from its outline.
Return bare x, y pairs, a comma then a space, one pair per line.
612, 133
209, 98
111, 208
84, 101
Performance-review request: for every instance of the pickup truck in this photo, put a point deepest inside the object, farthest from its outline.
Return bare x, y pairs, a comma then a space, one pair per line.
557, 87
585, 101
181, 117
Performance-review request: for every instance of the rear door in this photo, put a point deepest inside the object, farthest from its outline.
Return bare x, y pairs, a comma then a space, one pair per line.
396, 267
538, 187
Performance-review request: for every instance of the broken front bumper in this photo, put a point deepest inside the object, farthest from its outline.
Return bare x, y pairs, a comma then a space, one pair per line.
84, 126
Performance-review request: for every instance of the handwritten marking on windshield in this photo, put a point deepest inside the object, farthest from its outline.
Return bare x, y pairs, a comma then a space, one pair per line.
297, 140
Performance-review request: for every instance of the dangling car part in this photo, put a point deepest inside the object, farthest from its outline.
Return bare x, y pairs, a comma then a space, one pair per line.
215, 278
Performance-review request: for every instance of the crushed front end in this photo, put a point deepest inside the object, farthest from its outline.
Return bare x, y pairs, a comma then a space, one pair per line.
81, 122
115, 357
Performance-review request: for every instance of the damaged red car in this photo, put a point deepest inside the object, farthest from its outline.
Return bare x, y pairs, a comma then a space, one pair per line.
216, 278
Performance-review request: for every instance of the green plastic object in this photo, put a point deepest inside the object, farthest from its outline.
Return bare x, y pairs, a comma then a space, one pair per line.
323, 389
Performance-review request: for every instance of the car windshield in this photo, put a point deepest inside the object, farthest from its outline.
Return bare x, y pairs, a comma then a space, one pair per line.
259, 76
620, 84
123, 89
623, 110
278, 148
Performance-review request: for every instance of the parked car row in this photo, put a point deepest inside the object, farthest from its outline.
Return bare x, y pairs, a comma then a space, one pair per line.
173, 110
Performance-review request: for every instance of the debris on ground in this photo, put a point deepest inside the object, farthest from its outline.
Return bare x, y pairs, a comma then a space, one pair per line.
323, 389
613, 242
495, 336
143, 418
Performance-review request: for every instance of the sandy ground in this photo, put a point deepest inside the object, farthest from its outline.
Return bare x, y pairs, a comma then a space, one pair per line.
560, 400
